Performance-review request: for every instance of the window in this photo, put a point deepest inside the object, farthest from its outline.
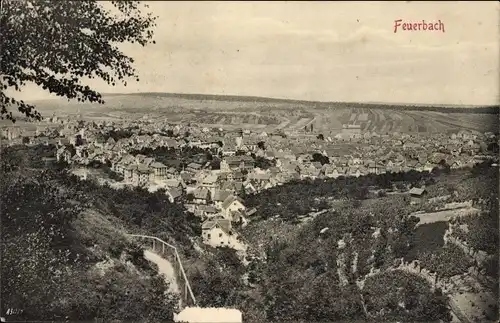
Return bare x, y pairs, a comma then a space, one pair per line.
220, 235
208, 236
230, 233
222, 242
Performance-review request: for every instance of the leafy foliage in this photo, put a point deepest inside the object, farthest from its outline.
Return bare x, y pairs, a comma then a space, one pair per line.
59, 44
46, 219
483, 232
264, 163
449, 261
176, 157
118, 134
218, 282
400, 296
297, 284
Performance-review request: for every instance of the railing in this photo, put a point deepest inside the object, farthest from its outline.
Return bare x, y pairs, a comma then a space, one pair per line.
169, 252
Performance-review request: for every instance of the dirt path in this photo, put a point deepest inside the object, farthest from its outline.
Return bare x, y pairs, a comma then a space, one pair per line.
165, 268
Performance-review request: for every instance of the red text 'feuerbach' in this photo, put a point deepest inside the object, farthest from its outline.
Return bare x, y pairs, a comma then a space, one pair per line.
418, 26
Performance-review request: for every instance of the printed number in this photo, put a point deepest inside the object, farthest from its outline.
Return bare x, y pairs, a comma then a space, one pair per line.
14, 311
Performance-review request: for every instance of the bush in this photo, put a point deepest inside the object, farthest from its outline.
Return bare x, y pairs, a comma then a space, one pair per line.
447, 262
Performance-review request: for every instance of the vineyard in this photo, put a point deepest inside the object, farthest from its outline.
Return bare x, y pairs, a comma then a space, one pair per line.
272, 115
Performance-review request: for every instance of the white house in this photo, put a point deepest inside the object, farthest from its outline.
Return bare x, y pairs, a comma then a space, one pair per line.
232, 204
218, 233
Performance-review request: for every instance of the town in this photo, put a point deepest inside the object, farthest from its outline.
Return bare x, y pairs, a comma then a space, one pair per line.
214, 168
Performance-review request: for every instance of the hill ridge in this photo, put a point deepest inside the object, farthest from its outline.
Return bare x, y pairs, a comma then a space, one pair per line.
248, 98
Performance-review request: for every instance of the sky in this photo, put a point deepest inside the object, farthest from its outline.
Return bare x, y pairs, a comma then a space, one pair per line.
323, 51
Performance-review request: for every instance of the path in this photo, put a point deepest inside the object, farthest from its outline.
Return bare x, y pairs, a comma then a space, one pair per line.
190, 312
165, 268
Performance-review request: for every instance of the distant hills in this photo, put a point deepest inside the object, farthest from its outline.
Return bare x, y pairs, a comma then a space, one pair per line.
318, 104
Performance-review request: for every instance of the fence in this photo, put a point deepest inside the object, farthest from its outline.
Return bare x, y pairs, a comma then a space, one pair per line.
169, 252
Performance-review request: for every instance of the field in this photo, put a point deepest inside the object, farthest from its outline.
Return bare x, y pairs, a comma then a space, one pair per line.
269, 115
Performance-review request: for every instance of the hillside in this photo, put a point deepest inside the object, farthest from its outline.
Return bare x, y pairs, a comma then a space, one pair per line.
266, 114
298, 256
65, 257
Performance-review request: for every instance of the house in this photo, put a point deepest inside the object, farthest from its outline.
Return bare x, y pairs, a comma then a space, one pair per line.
250, 189
173, 193
456, 164
99, 141
331, 171
194, 142
236, 217
231, 204
250, 144
229, 148
218, 233
63, 142
201, 196
194, 167
128, 172
206, 211
148, 161
428, 166
260, 179
171, 143
139, 158
187, 178
236, 176
219, 197
417, 195
234, 187
111, 141
172, 182
354, 172
42, 140
121, 165
142, 175
63, 155
210, 182
237, 162
159, 170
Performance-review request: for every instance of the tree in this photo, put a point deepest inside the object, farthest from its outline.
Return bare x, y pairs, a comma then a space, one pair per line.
493, 147
320, 137
79, 140
261, 145
317, 157
58, 45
